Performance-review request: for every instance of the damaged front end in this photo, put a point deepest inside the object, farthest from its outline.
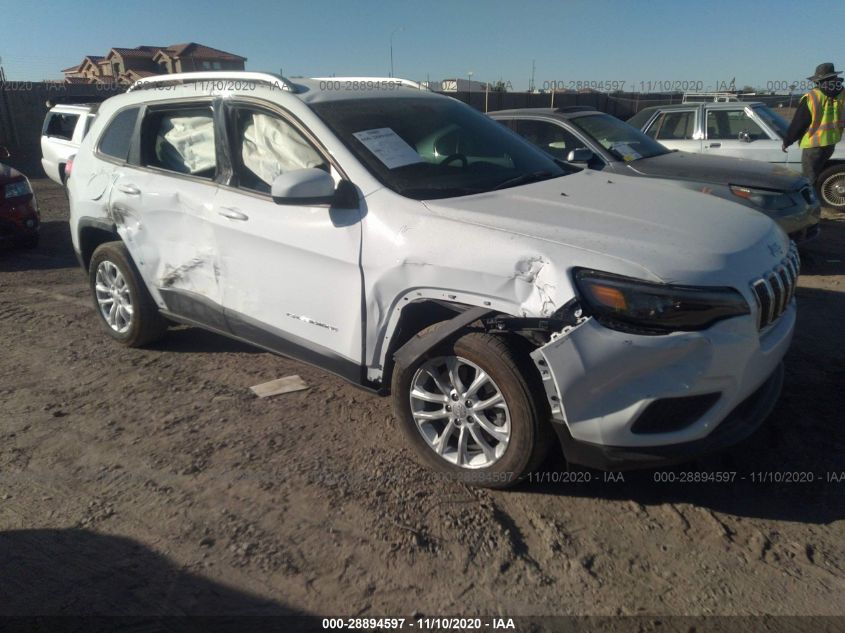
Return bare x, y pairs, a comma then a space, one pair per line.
622, 400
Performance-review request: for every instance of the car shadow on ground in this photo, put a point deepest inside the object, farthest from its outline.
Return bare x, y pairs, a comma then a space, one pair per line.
826, 254
792, 469
55, 572
54, 250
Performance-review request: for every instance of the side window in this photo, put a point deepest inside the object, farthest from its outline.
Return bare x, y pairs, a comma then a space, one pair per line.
654, 126
549, 137
639, 119
728, 124
674, 126
117, 138
265, 146
61, 125
508, 123
180, 140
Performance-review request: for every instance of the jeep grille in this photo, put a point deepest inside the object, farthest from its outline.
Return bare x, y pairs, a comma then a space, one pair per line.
773, 291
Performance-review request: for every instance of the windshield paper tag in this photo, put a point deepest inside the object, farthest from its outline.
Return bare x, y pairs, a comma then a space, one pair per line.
388, 147
628, 153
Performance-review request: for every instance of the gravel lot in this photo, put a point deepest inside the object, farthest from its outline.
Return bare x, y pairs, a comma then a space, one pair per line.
153, 482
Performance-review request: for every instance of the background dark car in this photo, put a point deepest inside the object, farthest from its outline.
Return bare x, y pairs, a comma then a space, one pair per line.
603, 142
19, 219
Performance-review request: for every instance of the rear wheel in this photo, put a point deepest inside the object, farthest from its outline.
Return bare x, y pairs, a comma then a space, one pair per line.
469, 410
126, 309
831, 184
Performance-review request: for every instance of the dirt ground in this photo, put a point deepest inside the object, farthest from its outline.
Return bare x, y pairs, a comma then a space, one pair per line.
153, 482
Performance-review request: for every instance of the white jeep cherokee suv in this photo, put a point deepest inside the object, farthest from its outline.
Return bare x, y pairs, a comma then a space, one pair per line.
414, 247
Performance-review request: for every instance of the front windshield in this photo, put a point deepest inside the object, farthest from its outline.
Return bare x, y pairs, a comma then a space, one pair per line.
425, 148
623, 141
775, 121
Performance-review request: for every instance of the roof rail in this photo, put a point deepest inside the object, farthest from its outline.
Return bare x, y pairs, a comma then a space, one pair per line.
405, 82
76, 100
215, 75
710, 96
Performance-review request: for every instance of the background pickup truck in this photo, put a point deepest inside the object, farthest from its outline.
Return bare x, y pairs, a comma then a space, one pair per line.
64, 128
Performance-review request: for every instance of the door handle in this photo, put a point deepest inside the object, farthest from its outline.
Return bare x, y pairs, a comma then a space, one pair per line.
715, 145
131, 190
233, 214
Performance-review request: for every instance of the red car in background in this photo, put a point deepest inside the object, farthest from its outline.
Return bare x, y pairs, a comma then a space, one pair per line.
19, 219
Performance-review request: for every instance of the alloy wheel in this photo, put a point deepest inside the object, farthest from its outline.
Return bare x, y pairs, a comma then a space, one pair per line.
113, 297
460, 412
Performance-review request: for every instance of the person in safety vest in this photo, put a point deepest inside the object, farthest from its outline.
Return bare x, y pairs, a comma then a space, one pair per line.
818, 121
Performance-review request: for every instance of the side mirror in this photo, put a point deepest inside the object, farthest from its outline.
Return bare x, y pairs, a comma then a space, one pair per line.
580, 155
303, 186
4, 152
744, 136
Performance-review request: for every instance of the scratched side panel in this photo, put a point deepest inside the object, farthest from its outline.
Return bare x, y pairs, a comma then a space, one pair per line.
410, 254
167, 228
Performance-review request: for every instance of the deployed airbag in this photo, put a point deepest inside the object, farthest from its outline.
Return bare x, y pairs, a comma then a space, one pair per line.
186, 144
272, 147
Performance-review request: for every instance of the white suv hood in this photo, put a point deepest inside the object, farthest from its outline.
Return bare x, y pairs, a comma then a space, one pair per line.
675, 235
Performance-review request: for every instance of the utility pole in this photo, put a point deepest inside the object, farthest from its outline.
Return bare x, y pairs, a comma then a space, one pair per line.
469, 88
533, 68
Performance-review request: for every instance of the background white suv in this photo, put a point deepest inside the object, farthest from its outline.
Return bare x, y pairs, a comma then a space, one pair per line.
64, 128
411, 245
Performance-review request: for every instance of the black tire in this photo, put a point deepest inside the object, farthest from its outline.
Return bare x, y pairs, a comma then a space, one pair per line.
63, 178
146, 324
834, 174
516, 378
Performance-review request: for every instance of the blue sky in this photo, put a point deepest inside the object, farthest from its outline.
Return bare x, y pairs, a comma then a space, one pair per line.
709, 41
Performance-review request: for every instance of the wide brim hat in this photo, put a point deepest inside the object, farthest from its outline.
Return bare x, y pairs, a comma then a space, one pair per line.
824, 71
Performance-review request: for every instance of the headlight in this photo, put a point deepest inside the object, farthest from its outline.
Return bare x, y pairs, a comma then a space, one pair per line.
642, 307
764, 198
18, 189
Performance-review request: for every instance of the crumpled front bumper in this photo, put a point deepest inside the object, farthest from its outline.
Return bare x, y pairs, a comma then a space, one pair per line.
600, 381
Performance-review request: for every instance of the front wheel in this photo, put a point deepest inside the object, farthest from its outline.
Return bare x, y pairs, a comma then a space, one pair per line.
123, 303
470, 409
831, 184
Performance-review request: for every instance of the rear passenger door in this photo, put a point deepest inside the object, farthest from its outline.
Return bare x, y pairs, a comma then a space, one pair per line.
162, 201
677, 129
